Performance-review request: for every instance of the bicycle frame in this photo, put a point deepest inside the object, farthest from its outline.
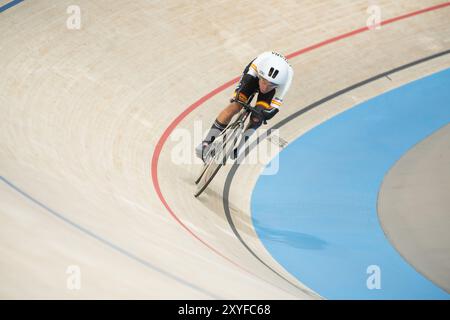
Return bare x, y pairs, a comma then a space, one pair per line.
247, 109
220, 149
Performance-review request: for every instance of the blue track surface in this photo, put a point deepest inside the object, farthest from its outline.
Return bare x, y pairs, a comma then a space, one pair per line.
318, 215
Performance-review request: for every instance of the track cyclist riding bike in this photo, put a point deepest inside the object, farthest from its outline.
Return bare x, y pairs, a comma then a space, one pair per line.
269, 76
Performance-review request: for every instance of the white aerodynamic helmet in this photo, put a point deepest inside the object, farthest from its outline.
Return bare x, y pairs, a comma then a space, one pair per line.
274, 68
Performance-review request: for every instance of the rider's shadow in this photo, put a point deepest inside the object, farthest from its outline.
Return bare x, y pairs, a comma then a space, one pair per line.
291, 238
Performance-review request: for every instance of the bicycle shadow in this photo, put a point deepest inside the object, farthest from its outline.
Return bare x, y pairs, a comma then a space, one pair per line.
254, 228
242, 222
290, 238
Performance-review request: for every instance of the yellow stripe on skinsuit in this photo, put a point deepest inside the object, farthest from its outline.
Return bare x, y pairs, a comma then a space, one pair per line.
264, 104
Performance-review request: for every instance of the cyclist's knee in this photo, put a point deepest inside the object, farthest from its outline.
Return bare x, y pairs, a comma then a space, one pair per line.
226, 114
236, 107
233, 109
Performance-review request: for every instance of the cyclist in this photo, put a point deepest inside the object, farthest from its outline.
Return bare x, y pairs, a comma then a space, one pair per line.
270, 76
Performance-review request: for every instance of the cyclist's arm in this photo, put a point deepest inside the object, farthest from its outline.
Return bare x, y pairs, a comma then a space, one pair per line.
246, 78
269, 113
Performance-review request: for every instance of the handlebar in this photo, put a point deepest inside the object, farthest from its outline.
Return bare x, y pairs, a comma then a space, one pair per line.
250, 109
243, 104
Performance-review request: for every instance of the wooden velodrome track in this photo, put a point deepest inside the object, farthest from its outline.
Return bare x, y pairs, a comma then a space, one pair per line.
86, 153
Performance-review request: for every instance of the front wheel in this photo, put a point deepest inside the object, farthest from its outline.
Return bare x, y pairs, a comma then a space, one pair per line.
209, 174
220, 151
209, 156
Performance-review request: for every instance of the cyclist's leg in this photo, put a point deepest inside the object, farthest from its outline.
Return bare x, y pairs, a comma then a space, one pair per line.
216, 129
